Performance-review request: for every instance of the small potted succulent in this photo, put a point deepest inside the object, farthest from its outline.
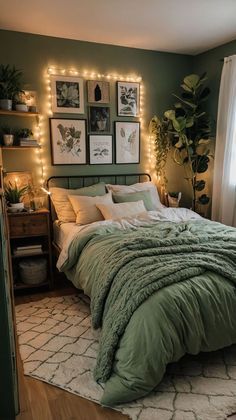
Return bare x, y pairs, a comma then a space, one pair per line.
20, 105
7, 135
25, 134
13, 195
10, 85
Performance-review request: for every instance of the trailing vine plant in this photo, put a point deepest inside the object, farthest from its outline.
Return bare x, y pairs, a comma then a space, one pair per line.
158, 131
187, 127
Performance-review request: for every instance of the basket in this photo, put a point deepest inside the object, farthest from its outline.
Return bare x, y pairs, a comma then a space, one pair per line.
33, 271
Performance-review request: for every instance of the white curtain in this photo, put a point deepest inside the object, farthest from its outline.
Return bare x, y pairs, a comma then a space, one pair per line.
224, 182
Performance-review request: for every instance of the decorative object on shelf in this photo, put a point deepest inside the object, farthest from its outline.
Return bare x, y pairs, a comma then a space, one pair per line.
20, 103
10, 85
29, 97
25, 138
13, 195
98, 91
67, 94
7, 135
188, 130
99, 119
174, 198
128, 99
127, 142
100, 149
68, 141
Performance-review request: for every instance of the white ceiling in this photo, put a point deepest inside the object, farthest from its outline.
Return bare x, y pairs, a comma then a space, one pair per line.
179, 26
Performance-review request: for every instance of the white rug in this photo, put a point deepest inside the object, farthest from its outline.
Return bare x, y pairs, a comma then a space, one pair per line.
58, 346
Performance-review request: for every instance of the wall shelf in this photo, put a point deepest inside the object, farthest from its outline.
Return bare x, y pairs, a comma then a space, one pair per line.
19, 147
18, 113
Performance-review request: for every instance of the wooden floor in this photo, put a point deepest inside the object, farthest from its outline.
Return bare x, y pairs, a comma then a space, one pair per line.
41, 401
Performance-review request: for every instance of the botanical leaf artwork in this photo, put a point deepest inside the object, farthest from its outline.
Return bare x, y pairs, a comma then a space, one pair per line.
100, 152
69, 140
67, 94
100, 147
128, 98
127, 142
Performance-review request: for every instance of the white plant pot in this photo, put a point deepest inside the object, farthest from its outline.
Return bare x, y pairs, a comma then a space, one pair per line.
8, 139
21, 107
15, 207
6, 104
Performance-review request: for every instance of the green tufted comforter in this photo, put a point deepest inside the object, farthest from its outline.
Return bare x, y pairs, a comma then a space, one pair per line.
158, 291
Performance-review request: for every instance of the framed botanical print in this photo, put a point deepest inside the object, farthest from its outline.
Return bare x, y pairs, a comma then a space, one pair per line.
128, 99
67, 94
68, 141
98, 91
99, 119
127, 142
100, 149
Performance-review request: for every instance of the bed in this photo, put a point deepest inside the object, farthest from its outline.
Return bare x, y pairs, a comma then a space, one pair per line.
162, 284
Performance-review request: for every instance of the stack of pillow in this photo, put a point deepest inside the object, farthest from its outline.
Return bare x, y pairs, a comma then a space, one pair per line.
91, 204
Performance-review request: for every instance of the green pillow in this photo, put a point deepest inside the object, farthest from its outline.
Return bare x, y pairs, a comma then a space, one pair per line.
135, 196
92, 190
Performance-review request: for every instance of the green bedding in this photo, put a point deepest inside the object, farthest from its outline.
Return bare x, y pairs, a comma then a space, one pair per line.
158, 292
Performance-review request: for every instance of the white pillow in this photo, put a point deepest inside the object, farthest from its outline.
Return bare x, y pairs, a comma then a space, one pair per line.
85, 207
140, 186
116, 211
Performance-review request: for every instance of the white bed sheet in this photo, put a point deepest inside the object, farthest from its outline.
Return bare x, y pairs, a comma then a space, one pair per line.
61, 232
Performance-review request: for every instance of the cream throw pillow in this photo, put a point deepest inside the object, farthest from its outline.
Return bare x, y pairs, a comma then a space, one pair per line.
140, 186
85, 207
116, 211
61, 202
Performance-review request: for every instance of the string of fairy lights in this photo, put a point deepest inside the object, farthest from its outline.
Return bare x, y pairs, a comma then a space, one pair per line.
41, 128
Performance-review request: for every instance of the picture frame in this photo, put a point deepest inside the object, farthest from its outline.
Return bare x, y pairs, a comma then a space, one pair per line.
98, 91
99, 119
67, 94
68, 141
128, 99
100, 149
127, 142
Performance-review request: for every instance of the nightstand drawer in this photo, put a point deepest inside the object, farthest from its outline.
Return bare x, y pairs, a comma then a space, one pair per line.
28, 225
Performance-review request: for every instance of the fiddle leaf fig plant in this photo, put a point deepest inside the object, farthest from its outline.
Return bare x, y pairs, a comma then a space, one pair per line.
187, 127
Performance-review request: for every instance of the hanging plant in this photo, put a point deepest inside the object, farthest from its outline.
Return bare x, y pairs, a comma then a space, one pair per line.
158, 130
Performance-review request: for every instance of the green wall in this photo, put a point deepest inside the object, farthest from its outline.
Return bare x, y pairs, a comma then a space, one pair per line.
161, 73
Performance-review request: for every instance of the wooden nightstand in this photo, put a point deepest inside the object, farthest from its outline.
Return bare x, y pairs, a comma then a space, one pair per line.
30, 237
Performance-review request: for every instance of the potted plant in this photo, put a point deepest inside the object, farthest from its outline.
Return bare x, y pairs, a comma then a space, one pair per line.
13, 195
8, 136
25, 134
185, 130
10, 85
21, 106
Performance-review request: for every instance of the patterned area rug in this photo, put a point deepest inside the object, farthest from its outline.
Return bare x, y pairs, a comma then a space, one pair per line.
58, 346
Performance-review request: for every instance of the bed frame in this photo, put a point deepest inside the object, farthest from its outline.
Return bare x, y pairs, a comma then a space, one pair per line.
80, 181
